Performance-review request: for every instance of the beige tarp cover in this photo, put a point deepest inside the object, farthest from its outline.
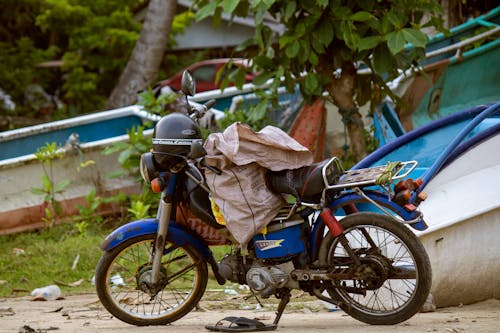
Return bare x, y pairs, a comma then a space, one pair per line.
243, 157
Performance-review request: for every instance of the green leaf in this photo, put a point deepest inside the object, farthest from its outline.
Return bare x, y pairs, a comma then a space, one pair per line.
396, 41
259, 13
239, 77
361, 16
229, 6
325, 32
300, 30
292, 50
125, 155
46, 182
341, 12
289, 10
322, 3
348, 34
259, 111
117, 146
303, 55
206, 11
262, 78
382, 59
385, 26
285, 40
394, 18
313, 58
311, 83
37, 190
368, 43
317, 46
415, 37
280, 71
61, 185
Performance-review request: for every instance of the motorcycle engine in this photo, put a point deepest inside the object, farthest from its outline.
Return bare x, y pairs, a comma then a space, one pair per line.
266, 279
262, 278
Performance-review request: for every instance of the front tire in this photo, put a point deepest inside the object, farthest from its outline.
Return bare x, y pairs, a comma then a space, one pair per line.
121, 271
400, 272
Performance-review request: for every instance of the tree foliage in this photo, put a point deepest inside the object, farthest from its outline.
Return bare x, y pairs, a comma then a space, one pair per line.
91, 39
95, 35
325, 42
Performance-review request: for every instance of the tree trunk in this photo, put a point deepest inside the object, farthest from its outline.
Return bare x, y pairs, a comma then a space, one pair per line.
342, 90
146, 58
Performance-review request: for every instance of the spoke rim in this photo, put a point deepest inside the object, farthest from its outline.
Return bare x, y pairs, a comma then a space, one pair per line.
394, 294
178, 291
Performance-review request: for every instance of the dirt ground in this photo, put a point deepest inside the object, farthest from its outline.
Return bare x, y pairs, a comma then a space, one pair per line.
83, 313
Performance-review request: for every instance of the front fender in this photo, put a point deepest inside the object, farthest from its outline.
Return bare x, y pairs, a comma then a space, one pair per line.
176, 233
381, 199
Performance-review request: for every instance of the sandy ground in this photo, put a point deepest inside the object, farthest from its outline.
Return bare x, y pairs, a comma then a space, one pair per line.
83, 313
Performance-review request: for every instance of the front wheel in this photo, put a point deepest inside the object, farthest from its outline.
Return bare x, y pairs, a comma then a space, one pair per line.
122, 277
393, 278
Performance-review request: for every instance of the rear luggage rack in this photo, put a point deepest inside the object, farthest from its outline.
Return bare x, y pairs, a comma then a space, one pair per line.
370, 176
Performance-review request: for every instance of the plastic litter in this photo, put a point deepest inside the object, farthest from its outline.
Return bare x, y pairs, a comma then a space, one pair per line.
117, 280
229, 291
48, 293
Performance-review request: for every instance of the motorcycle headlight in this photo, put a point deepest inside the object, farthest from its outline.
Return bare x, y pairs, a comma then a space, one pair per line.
148, 168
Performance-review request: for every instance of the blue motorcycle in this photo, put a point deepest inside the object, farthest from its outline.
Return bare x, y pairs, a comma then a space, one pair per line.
326, 243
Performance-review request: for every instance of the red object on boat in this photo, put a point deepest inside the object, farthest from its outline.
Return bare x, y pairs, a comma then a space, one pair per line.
309, 128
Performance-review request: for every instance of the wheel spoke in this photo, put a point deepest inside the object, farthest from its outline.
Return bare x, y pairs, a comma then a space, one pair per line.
378, 241
127, 278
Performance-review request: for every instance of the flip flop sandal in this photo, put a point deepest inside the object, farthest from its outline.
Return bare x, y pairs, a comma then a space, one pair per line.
240, 324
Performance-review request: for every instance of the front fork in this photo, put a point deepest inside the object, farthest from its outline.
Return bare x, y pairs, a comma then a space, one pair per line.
163, 216
164, 212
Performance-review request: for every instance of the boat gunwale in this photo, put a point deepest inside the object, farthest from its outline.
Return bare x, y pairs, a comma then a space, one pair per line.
134, 110
418, 132
84, 146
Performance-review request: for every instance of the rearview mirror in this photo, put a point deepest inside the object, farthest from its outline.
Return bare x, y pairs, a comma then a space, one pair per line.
188, 84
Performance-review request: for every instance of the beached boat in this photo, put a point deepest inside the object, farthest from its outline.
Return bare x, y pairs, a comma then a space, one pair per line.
459, 163
460, 71
83, 139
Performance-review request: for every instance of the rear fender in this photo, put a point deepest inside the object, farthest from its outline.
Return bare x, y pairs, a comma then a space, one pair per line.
363, 205
176, 233
381, 199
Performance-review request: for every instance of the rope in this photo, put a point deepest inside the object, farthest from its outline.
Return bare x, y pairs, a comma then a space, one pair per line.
347, 118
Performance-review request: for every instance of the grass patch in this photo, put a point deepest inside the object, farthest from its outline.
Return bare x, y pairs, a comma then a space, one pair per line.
35, 259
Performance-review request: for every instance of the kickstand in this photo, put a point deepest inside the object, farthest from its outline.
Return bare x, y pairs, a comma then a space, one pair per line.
285, 298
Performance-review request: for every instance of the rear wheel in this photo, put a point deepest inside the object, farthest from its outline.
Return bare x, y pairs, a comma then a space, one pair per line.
123, 275
393, 279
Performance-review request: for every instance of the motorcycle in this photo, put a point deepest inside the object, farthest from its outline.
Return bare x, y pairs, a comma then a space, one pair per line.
369, 263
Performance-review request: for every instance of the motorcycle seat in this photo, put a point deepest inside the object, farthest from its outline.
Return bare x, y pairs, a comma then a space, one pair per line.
304, 183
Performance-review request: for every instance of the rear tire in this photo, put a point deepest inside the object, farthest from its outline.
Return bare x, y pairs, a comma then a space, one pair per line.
120, 270
387, 301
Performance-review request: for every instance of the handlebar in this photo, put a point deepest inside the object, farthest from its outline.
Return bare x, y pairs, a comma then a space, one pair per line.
210, 104
198, 111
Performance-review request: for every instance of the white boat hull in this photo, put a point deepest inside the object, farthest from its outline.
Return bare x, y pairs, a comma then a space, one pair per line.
21, 210
463, 214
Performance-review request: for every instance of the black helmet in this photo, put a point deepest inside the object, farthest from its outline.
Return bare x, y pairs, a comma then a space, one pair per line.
173, 136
